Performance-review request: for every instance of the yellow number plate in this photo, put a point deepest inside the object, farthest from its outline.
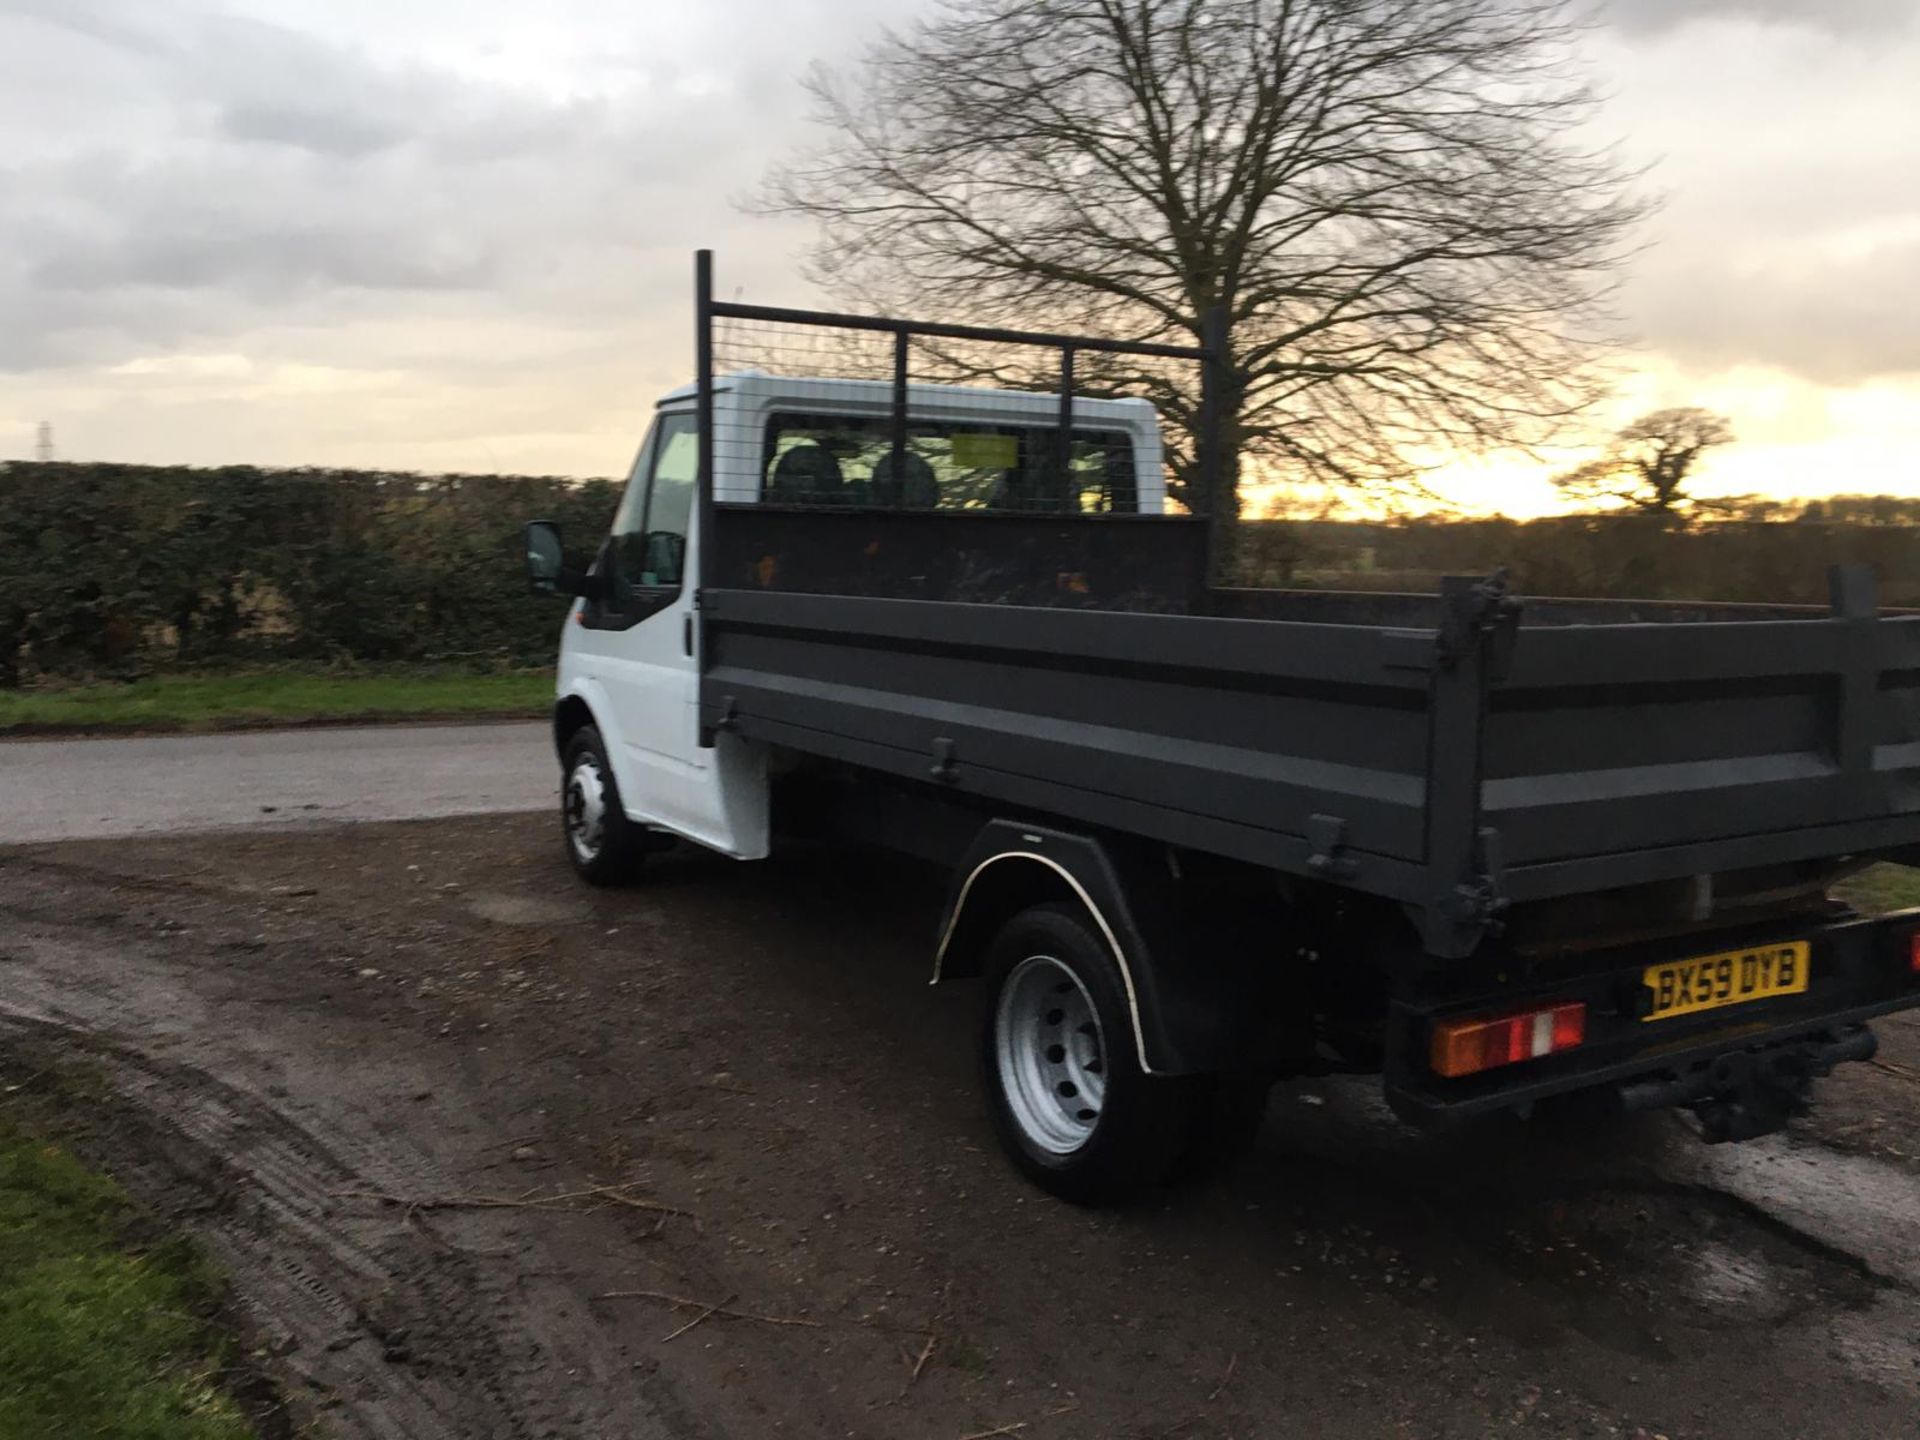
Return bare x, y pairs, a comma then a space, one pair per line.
1706, 982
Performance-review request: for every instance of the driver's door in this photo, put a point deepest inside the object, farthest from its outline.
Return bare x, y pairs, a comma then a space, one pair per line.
638, 643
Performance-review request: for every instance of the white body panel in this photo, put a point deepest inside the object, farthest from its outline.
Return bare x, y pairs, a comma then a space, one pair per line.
644, 692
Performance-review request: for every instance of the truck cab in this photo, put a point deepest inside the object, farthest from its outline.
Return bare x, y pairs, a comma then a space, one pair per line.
629, 659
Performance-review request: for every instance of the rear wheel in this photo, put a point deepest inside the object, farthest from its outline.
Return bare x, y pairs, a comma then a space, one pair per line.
1070, 1103
604, 846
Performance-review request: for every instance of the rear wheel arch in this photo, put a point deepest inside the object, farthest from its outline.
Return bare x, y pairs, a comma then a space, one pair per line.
1199, 969
992, 890
1182, 1022
1004, 884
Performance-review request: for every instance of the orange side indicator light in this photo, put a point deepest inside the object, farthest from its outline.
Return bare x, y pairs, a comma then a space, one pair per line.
1475, 1043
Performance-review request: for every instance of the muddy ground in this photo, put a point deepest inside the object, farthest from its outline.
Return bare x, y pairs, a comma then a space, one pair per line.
386, 1072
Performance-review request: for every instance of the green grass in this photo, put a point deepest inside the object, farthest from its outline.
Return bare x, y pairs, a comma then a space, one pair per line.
102, 1332
1881, 888
275, 697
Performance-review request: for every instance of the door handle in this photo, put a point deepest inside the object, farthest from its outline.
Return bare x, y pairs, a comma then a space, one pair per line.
686, 632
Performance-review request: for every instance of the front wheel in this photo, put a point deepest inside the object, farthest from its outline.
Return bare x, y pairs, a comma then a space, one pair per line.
1071, 1105
604, 846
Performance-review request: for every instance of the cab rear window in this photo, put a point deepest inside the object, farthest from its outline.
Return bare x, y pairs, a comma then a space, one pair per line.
815, 459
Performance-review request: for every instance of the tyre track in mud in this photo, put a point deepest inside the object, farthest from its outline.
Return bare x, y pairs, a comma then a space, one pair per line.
382, 1320
301, 1284
343, 1301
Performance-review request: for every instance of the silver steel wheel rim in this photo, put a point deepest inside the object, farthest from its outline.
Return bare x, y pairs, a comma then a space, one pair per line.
1052, 1055
586, 810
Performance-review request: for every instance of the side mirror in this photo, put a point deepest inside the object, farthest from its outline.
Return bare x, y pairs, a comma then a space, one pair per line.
546, 561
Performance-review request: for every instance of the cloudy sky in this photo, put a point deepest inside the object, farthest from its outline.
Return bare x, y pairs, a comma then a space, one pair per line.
456, 234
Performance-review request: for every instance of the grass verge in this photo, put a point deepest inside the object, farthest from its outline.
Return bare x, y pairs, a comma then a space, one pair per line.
1880, 888
276, 697
104, 1330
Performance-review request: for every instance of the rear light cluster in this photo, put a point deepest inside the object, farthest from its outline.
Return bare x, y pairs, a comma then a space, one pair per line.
1913, 952
1475, 1043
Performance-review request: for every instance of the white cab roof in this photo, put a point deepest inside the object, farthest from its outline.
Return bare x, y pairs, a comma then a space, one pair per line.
856, 396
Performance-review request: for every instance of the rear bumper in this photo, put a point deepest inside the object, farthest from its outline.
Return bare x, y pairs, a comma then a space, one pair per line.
1858, 969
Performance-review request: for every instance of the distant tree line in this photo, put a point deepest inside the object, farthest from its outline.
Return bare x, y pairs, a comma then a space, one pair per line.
1753, 549
109, 570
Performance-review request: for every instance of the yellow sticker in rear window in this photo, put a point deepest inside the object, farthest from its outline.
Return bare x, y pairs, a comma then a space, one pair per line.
1733, 977
986, 452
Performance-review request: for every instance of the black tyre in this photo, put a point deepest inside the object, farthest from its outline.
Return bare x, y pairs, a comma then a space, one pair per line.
1070, 1103
604, 845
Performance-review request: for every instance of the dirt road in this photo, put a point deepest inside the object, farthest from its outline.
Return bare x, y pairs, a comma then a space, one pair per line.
386, 1071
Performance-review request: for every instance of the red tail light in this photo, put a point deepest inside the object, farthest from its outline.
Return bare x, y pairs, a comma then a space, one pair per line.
1464, 1047
1913, 952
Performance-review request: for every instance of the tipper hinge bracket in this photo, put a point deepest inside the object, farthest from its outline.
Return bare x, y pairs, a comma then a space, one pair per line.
943, 768
1326, 839
1483, 902
1482, 614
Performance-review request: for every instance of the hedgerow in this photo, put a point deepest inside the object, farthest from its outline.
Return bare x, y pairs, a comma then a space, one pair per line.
121, 569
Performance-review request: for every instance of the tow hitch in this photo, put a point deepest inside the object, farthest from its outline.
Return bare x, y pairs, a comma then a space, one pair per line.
1746, 1093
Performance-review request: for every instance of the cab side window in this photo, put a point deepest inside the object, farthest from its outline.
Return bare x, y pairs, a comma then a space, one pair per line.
646, 555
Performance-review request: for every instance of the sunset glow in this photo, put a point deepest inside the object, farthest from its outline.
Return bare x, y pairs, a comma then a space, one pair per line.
435, 236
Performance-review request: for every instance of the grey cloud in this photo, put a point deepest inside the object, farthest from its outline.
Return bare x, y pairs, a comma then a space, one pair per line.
97, 20
1840, 17
328, 130
284, 171
275, 86
1837, 322
189, 177
268, 262
377, 199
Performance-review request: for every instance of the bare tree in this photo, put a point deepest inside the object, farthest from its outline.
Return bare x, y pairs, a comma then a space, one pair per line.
1387, 198
1648, 464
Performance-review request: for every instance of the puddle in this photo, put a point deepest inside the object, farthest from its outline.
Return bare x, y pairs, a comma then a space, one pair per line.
527, 909
1736, 1285
1858, 1206
1851, 1203
1878, 1343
